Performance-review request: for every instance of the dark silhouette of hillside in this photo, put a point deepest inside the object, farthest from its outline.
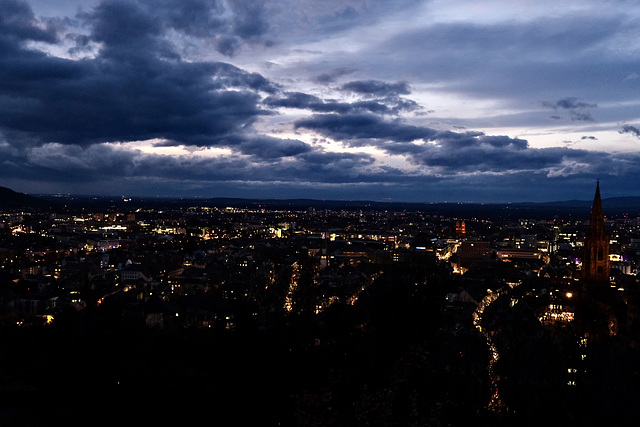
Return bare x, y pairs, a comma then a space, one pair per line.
10, 199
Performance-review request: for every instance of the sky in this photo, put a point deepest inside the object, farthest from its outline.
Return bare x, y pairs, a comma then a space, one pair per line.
400, 100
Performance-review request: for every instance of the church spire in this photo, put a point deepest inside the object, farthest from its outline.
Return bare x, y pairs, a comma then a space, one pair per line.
596, 246
596, 225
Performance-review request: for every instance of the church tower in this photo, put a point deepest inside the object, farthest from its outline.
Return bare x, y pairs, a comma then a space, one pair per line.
595, 262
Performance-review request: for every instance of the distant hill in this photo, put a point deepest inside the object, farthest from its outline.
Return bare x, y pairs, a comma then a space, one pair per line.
10, 199
621, 202
544, 210
612, 206
611, 202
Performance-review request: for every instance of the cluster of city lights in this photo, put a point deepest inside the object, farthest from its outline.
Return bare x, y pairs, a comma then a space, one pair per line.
293, 284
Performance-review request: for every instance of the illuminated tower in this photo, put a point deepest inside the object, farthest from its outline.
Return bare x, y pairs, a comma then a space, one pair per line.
461, 228
595, 263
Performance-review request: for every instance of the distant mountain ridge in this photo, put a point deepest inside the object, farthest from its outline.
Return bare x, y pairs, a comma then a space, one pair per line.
10, 199
579, 208
612, 202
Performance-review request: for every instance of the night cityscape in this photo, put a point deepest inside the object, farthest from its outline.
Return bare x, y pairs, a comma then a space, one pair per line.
312, 315
304, 213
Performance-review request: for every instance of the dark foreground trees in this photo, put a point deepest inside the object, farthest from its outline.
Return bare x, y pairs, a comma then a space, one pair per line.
396, 357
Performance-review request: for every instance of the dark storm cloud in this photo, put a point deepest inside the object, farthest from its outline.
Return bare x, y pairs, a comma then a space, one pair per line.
331, 75
69, 164
265, 147
577, 109
362, 126
474, 152
305, 101
248, 20
137, 88
87, 103
581, 116
227, 24
312, 166
368, 129
198, 18
336, 167
375, 88
261, 148
570, 103
449, 152
18, 24
124, 25
330, 174
265, 161
91, 163
487, 158
630, 129
60, 113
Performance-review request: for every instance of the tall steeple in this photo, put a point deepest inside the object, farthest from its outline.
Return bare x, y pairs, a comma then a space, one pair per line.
595, 263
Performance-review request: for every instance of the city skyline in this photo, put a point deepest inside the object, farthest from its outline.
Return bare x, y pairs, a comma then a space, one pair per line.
361, 100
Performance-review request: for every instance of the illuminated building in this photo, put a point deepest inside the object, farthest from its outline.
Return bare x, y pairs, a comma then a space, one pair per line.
596, 314
595, 263
474, 249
